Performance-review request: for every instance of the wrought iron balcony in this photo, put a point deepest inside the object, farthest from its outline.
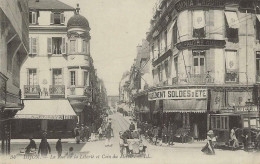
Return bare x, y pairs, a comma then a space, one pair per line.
32, 91
57, 91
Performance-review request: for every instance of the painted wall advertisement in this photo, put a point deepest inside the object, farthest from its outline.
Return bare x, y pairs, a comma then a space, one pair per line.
177, 94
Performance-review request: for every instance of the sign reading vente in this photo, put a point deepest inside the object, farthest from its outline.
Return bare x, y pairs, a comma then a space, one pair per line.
178, 94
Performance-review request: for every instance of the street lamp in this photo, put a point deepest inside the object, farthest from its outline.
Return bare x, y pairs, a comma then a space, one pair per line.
249, 104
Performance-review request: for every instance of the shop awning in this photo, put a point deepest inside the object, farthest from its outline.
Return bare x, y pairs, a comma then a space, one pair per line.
232, 19
46, 109
184, 106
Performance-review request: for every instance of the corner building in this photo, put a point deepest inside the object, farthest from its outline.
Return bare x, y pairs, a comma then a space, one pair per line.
55, 76
209, 47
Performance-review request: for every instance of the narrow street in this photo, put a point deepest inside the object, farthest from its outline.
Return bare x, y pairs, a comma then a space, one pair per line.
183, 153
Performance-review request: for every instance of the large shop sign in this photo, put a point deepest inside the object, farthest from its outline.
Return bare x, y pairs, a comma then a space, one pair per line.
178, 94
246, 109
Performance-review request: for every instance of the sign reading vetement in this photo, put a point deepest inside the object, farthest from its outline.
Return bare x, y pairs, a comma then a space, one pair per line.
178, 94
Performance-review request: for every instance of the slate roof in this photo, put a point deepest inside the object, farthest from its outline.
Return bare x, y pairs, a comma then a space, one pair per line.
49, 5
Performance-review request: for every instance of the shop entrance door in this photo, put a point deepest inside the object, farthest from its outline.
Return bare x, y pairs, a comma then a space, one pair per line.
235, 121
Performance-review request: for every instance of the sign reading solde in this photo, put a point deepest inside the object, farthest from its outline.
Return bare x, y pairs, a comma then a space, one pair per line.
178, 94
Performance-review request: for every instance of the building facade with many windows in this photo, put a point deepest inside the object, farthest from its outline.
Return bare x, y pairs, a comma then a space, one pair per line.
55, 79
205, 64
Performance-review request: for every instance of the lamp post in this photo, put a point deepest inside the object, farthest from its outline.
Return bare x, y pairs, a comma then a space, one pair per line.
249, 105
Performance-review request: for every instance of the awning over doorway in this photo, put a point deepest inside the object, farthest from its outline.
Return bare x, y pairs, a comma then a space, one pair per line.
184, 106
46, 109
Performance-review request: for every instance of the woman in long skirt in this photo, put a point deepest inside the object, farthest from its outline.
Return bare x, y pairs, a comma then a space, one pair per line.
208, 148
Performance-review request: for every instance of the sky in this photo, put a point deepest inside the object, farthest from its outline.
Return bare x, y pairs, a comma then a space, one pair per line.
117, 27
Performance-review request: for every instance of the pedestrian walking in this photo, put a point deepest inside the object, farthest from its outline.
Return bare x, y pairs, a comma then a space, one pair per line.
82, 133
44, 148
59, 147
208, 148
77, 134
170, 134
31, 146
233, 138
164, 134
93, 131
109, 134
155, 134
100, 133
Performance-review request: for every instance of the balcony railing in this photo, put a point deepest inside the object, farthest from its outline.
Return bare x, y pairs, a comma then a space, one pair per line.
194, 79
57, 91
32, 91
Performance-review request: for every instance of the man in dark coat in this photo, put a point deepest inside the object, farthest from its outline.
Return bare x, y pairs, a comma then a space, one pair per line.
132, 127
164, 134
44, 147
59, 147
32, 145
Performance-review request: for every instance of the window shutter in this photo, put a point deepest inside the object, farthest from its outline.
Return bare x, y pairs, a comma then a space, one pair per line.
34, 17
34, 48
37, 45
30, 46
62, 18
28, 77
52, 18
63, 49
49, 45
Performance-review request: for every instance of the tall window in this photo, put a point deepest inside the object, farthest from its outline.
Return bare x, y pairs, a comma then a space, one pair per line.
166, 67
84, 46
56, 45
72, 78
258, 66
57, 18
159, 73
32, 77
198, 62
57, 77
159, 46
198, 24
33, 46
232, 24
72, 46
174, 34
33, 17
86, 78
176, 66
231, 66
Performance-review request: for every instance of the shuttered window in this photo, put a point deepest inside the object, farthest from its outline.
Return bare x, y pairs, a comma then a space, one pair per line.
57, 77
72, 78
49, 45
32, 77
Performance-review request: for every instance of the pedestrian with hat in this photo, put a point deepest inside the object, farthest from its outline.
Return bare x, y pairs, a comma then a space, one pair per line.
77, 134
208, 148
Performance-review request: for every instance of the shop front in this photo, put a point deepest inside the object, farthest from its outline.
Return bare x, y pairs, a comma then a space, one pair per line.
56, 117
232, 108
186, 108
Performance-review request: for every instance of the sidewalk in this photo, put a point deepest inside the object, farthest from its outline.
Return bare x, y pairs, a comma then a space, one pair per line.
66, 140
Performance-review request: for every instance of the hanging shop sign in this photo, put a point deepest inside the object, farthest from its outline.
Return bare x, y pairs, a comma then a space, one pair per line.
205, 43
178, 94
246, 109
185, 4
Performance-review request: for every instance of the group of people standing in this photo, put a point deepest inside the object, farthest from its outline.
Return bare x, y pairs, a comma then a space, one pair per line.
84, 133
166, 134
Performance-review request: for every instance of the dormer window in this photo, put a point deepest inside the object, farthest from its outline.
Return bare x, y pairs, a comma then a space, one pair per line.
33, 17
57, 18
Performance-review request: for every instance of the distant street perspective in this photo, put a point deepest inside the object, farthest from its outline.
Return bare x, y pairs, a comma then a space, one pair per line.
140, 81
